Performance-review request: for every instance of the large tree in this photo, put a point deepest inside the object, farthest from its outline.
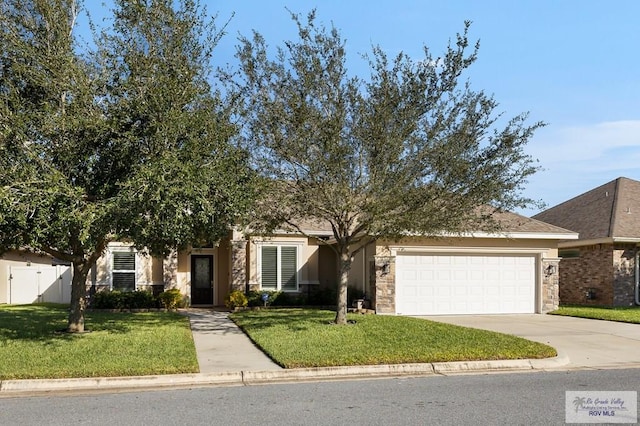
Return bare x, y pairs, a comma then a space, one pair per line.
407, 149
124, 141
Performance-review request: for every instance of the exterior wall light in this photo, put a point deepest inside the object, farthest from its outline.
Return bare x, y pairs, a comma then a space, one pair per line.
386, 267
551, 270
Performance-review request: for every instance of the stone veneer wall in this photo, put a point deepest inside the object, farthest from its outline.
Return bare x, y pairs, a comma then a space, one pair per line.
550, 286
239, 265
624, 258
385, 285
593, 269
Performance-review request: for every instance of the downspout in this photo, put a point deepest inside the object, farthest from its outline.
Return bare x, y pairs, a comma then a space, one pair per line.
637, 276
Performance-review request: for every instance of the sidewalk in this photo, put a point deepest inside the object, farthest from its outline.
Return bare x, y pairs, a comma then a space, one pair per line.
221, 346
226, 356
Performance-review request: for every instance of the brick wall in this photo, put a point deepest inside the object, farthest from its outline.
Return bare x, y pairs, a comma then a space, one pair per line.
592, 270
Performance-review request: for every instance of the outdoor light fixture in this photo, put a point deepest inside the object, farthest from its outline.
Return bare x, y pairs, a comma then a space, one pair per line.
551, 270
385, 268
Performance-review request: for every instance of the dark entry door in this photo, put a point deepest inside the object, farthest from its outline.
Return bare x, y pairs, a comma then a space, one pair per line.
201, 280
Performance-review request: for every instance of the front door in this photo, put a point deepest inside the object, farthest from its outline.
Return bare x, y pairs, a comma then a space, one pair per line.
202, 280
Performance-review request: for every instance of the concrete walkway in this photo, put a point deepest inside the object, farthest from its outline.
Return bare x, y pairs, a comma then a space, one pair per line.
586, 343
221, 346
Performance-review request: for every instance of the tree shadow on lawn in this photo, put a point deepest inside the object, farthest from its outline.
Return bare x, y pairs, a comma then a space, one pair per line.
293, 319
48, 322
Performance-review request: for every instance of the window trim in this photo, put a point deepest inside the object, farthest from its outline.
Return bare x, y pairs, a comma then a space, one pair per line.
279, 245
112, 270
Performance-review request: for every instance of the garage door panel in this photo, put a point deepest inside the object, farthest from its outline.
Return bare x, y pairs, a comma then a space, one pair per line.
464, 284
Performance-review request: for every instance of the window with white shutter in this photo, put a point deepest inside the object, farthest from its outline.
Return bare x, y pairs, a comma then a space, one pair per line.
123, 270
279, 268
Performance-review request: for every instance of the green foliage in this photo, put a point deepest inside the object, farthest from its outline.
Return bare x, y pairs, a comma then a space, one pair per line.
277, 298
411, 147
621, 314
122, 344
354, 293
291, 336
114, 299
322, 296
171, 299
235, 299
125, 141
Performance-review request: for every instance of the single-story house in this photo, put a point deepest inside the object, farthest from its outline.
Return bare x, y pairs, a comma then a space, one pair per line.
511, 272
601, 266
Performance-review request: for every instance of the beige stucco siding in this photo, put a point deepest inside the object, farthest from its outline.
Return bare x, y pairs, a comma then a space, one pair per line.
548, 248
221, 272
148, 268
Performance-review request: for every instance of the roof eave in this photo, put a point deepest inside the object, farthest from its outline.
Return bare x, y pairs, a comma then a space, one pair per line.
594, 241
518, 235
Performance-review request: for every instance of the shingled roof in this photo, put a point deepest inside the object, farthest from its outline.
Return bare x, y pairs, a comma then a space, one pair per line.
610, 212
511, 225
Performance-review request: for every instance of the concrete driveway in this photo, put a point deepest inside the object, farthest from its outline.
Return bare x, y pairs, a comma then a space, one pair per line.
587, 343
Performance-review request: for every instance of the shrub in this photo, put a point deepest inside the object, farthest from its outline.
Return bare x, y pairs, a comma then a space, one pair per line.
322, 296
255, 297
171, 299
139, 299
107, 300
236, 299
354, 293
115, 299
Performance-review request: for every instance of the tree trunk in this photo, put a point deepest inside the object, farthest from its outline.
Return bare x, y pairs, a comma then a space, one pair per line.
78, 297
345, 267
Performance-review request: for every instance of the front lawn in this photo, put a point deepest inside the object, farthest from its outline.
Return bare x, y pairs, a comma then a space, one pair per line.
306, 338
119, 344
621, 314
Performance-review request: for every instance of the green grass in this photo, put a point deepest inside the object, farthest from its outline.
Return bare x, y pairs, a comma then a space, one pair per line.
306, 338
119, 344
621, 314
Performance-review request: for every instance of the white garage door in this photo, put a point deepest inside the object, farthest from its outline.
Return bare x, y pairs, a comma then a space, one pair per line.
429, 284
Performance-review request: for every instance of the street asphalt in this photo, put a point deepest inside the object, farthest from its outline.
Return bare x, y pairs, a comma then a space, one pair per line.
226, 356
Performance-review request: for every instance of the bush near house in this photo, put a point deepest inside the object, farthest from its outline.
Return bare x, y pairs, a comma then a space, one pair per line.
171, 299
139, 299
235, 299
314, 297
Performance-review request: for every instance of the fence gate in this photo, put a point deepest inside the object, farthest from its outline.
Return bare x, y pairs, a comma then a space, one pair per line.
39, 283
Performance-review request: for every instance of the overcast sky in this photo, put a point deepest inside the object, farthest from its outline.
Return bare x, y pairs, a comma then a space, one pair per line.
572, 64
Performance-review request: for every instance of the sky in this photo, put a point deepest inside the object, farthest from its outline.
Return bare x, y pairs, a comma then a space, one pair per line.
573, 64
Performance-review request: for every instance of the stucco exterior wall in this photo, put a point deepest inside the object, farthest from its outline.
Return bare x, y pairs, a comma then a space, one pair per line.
148, 269
328, 267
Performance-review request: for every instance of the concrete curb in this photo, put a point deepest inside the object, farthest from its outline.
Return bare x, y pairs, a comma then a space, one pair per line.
244, 378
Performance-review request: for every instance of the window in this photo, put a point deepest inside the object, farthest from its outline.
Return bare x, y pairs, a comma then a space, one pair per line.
123, 270
568, 253
279, 267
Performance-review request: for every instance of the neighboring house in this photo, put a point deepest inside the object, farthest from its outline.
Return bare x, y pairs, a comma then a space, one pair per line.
601, 267
511, 272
